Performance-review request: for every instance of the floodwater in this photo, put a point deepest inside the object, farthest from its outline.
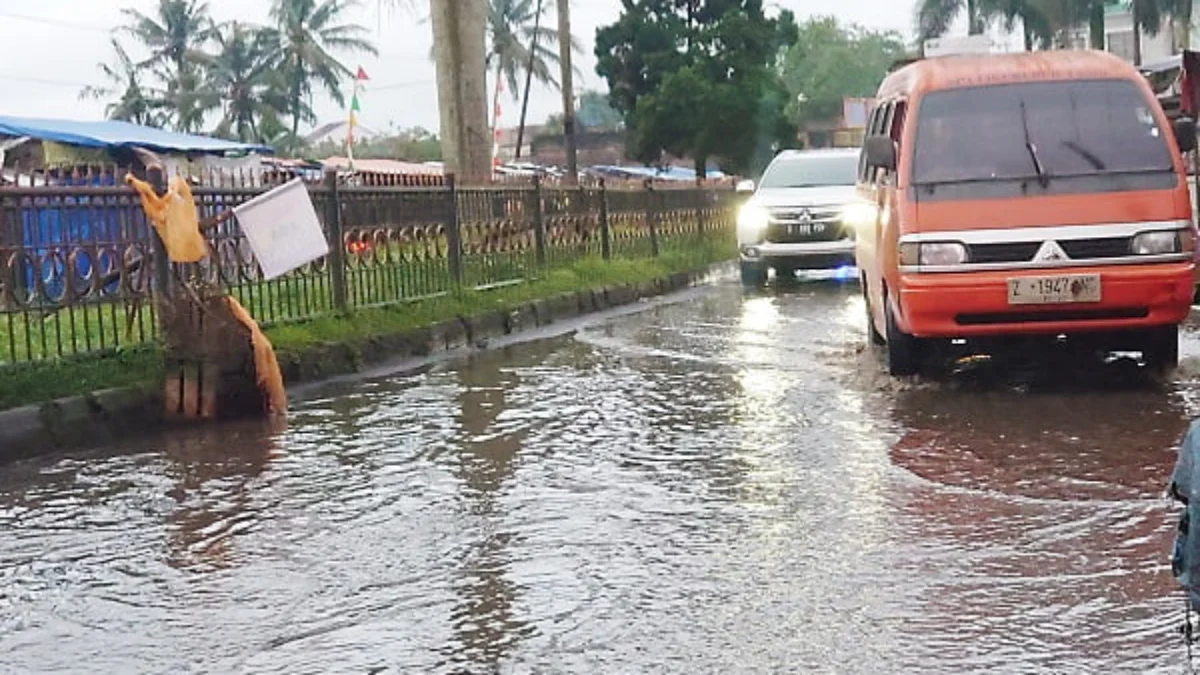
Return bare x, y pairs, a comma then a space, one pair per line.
720, 483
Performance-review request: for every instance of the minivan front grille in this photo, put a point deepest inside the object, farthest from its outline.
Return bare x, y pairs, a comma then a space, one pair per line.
1082, 250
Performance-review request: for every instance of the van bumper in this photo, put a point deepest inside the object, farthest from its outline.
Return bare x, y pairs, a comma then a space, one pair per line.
974, 304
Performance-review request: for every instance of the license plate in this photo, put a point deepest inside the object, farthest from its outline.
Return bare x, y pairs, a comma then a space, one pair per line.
806, 230
1060, 289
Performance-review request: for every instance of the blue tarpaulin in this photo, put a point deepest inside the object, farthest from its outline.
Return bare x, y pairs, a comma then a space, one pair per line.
112, 135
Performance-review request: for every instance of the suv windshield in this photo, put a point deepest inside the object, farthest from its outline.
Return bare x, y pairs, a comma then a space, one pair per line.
811, 171
1075, 136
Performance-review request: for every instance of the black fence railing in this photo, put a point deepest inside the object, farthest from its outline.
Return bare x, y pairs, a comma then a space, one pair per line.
78, 261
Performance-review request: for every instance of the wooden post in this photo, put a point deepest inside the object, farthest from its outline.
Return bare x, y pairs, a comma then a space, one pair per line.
652, 217
539, 222
337, 245
454, 244
605, 229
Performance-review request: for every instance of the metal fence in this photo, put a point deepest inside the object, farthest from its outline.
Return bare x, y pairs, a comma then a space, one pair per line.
78, 260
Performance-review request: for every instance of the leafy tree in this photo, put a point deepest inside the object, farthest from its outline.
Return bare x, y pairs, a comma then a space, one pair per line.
134, 101
308, 31
595, 113
830, 62
935, 16
698, 78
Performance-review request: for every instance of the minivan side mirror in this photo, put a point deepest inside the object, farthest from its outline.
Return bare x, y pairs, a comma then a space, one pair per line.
1185, 134
744, 186
881, 152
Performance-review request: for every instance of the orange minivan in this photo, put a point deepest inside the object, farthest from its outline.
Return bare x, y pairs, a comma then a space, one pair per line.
1036, 195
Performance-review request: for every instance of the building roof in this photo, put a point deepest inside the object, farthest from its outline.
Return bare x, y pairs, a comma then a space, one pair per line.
327, 131
389, 166
114, 134
946, 72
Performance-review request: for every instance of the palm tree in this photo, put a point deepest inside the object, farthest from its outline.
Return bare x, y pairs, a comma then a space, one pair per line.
176, 36
308, 30
244, 74
135, 103
935, 16
517, 40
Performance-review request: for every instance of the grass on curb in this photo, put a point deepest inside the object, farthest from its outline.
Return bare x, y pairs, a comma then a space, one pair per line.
41, 381
36, 382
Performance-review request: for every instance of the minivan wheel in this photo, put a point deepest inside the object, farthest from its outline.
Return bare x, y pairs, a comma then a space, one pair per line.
873, 335
754, 274
903, 350
1161, 348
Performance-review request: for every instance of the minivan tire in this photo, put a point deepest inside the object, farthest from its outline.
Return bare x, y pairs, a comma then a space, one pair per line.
903, 350
754, 274
1160, 351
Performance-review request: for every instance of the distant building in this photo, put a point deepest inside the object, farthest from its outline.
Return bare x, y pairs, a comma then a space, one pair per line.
336, 132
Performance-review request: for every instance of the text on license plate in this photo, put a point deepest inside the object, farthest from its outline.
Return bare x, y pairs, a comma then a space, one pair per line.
1053, 290
806, 230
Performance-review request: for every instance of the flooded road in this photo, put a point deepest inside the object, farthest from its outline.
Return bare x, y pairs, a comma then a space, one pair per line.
723, 483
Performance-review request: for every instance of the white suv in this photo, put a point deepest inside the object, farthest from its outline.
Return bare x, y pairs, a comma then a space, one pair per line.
795, 218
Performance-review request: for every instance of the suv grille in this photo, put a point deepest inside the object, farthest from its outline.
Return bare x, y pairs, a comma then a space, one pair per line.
799, 224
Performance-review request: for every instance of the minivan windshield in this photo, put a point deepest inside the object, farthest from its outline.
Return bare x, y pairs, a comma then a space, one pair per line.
1055, 133
815, 170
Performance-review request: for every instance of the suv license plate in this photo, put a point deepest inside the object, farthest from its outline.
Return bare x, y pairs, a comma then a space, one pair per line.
806, 230
1061, 289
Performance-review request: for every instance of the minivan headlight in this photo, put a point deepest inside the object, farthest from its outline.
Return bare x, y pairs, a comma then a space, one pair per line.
932, 253
1156, 243
751, 223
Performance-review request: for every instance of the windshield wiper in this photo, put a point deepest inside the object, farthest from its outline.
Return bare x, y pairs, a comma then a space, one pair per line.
1043, 179
1083, 152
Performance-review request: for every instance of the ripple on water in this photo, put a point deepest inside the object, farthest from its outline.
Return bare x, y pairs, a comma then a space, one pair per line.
727, 485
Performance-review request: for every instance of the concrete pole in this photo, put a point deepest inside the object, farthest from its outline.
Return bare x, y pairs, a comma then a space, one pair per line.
568, 87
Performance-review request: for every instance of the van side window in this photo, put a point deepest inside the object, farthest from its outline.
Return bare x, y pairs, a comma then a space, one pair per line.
880, 128
872, 122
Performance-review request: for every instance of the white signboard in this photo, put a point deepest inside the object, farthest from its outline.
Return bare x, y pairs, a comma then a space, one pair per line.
283, 229
970, 44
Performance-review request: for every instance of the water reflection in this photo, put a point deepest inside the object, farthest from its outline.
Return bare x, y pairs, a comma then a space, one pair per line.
214, 490
484, 622
1040, 504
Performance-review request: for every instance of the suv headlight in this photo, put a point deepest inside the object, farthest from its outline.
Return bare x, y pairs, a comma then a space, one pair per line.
932, 253
1157, 243
751, 223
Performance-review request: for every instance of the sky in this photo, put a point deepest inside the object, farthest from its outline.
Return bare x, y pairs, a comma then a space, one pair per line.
52, 49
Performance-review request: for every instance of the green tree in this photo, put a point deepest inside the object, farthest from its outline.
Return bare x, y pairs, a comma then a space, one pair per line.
698, 79
308, 31
831, 62
595, 113
134, 101
244, 72
176, 36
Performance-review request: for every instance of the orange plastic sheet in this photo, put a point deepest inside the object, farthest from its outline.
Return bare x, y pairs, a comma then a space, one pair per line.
266, 366
173, 215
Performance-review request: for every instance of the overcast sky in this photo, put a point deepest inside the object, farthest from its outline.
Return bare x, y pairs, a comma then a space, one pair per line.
52, 47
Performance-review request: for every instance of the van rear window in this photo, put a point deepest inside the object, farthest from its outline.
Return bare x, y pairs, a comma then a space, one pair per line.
1038, 137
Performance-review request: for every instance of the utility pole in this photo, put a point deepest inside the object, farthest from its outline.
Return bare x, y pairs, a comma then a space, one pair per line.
568, 88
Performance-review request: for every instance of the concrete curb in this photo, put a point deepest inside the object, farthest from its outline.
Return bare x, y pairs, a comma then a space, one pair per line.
112, 414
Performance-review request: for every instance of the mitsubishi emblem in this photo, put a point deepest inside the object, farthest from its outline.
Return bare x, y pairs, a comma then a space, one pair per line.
805, 217
1050, 252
